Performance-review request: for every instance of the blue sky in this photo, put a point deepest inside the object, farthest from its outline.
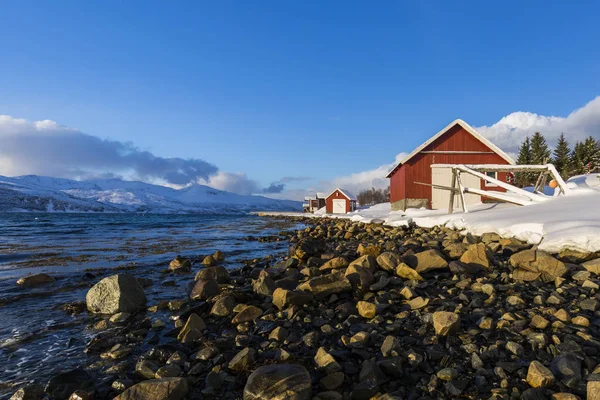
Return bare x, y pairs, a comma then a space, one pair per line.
292, 88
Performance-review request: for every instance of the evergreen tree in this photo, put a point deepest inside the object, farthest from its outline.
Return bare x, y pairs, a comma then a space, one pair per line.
523, 178
540, 153
586, 156
562, 157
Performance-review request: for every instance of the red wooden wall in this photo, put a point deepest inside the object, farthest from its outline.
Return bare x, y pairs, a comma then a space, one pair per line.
418, 168
337, 195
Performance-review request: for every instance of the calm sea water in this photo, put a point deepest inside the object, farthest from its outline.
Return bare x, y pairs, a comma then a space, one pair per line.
37, 339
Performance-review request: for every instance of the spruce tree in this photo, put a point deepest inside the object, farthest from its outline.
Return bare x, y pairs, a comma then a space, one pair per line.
577, 159
540, 153
586, 156
524, 158
562, 157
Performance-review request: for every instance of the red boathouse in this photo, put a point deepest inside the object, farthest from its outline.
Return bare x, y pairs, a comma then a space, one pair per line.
457, 143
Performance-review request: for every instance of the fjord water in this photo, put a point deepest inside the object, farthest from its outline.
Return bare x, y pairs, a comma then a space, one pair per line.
37, 338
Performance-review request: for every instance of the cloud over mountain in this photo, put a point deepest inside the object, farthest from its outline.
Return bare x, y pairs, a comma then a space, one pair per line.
45, 147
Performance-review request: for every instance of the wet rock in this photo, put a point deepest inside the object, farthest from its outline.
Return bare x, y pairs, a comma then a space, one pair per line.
116, 293
223, 306
119, 318
146, 369
205, 354
242, 360
538, 375
157, 389
180, 265
35, 280
82, 395
264, 284
279, 382
247, 314
283, 298
445, 323
218, 274
326, 285
32, 391
332, 381
205, 289
62, 385
192, 330
117, 352
168, 371
209, 261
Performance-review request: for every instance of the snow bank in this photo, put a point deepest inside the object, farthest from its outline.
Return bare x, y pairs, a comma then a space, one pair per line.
563, 222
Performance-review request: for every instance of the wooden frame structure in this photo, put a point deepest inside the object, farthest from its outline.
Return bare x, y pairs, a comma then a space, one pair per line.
525, 197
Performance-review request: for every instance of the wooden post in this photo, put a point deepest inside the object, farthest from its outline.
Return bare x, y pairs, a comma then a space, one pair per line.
452, 192
462, 193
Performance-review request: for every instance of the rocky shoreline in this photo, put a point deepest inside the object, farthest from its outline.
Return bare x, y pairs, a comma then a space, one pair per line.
356, 311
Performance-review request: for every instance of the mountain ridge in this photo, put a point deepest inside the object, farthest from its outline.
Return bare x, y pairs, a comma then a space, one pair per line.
36, 193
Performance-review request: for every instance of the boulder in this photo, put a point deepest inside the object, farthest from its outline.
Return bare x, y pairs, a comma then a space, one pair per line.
406, 272
279, 382
369, 250
157, 389
427, 261
247, 314
223, 306
217, 273
366, 309
209, 261
192, 330
536, 261
242, 360
283, 298
367, 261
180, 264
445, 322
32, 391
335, 263
538, 375
205, 289
326, 285
35, 280
326, 362
388, 261
62, 385
477, 255
307, 248
592, 266
359, 275
264, 284
116, 293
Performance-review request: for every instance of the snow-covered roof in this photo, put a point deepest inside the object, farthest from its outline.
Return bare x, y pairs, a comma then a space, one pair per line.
308, 198
321, 195
346, 193
467, 128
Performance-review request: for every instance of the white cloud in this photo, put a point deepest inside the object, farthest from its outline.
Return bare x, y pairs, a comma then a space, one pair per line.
232, 182
47, 148
510, 131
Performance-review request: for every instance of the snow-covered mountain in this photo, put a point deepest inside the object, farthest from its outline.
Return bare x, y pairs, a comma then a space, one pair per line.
42, 193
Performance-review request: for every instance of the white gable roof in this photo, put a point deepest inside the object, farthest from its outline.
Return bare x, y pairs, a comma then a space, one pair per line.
346, 193
467, 128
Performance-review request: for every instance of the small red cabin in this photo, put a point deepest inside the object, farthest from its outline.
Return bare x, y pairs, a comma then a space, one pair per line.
457, 143
340, 201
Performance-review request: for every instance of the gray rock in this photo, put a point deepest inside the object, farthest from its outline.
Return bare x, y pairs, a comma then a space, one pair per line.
157, 389
116, 293
35, 280
279, 382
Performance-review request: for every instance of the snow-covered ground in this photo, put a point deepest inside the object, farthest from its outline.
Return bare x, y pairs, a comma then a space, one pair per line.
571, 221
